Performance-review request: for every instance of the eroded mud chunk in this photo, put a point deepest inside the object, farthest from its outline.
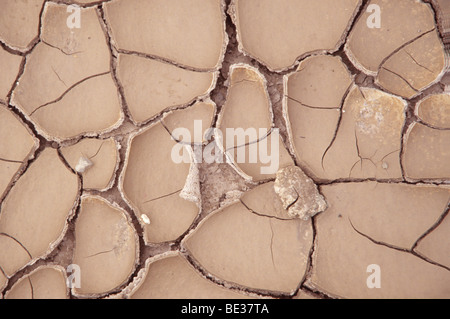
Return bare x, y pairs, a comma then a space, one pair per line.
47, 282
242, 247
426, 153
66, 87
403, 275
196, 119
298, 193
152, 86
19, 22
368, 140
245, 123
436, 245
105, 246
152, 182
187, 33
278, 33
96, 160
314, 96
9, 64
32, 222
173, 277
16, 145
394, 51
434, 110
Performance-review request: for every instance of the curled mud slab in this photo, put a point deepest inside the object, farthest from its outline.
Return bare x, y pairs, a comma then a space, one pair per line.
118, 178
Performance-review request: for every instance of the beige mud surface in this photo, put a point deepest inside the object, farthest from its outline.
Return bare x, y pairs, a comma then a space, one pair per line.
93, 203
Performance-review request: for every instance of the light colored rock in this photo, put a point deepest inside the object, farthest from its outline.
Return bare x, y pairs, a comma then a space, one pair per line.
254, 251
278, 33
189, 34
298, 193
426, 153
96, 160
152, 86
106, 246
46, 282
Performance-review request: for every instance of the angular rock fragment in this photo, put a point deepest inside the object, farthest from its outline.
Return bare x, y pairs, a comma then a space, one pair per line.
197, 119
368, 140
32, 222
46, 282
152, 182
151, 86
19, 22
394, 51
314, 95
426, 153
172, 277
190, 34
106, 246
278, 33
298, 193
251, 250
17, 144
66, 62
9, 64
434, 110
96, 160
436, 244
346, 262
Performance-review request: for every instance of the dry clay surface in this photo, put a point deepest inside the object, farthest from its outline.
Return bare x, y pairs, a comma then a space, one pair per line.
352, 97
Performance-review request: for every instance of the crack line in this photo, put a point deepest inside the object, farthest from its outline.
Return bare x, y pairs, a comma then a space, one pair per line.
167, 195
102, 252
313, 107
338, 124
403, 46
404, 250
401, 77
68, 90
10, 161
13, 238
422, 66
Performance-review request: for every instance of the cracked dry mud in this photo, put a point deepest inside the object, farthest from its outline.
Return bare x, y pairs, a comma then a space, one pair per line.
89, 119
